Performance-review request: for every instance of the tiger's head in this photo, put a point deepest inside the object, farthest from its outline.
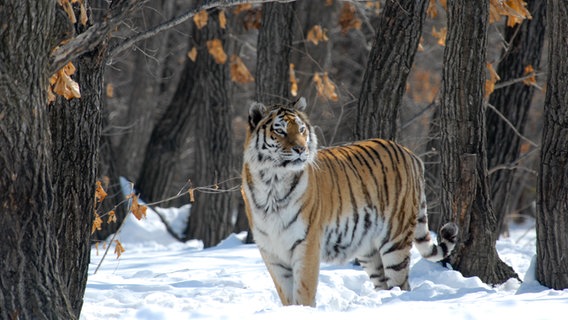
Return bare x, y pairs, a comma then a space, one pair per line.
280, 136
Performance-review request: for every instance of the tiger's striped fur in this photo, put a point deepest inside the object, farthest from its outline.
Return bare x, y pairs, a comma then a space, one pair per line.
364, 200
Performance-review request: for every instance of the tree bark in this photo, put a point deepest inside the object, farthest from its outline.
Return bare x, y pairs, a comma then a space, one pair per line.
273, 54
552, 210
525, 43
32, 283
397, 36
211, 217
465, 194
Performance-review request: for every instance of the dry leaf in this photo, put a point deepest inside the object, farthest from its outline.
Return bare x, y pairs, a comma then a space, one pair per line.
239, 71
531, 80
96, 223
109, 90
514, 10
192, 54
242, 7
432, 10
325, 88
317, 34
191, 192
347, 19
440, 35
253, 20
138, 210
328, 3
293, 81
118, 248
111, 216
493, 78
222, 19
200, 19
63, 85
215, 48
100, 193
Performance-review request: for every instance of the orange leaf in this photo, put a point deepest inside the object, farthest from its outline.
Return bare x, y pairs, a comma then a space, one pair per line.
138, 210
325, 88
293, 81
440, 35
253, 19
191, 192
63, 85
192, 54
215, 48
109, 90
432, 10
222, 19
200, 19
118, 248
239, 71
531, 80
242, 7
490, 83
100, 193
111, 216
514, 10
317, 34
347, 19
96, 223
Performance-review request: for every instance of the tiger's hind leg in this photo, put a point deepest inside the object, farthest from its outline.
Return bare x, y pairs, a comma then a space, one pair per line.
395, 255
372, 263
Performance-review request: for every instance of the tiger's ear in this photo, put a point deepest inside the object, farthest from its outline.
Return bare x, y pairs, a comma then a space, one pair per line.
300, 104
257, 111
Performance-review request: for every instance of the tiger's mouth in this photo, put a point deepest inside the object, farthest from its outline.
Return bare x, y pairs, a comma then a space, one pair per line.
297, 162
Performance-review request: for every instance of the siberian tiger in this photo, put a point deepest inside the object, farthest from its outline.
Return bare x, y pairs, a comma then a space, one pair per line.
364, 200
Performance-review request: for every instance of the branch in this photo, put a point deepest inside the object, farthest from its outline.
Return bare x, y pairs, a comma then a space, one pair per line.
181, 19
512, 126
97, 33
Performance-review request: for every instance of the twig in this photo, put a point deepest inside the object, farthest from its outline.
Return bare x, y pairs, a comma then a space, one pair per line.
503, 84
511, 125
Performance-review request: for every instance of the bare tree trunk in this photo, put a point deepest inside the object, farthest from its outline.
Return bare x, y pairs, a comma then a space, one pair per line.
465, 193
273, 55
32, 284
211, 217
552, 214
525, 43
397, 36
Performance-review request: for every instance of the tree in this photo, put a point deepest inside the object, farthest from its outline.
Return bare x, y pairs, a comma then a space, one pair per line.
465, 194
524, 43
390, 61
552, 209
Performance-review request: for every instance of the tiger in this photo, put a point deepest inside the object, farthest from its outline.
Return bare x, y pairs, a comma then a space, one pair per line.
362, 201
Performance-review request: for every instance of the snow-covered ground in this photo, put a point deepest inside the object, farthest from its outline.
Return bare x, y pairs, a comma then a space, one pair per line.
159, 278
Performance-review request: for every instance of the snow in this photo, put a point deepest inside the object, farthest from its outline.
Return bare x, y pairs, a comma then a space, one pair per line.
158, 277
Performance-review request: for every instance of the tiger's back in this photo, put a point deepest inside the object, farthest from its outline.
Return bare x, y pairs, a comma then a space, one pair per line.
364, 200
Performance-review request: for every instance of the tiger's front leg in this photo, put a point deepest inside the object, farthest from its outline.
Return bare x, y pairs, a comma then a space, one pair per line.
306, 266
282, 275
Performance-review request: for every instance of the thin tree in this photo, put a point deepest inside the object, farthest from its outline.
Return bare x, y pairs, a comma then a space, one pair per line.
552, 209
397, 36
523, 48
465, 194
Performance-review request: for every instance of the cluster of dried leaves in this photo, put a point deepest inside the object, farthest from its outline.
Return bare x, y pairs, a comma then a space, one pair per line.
137, 209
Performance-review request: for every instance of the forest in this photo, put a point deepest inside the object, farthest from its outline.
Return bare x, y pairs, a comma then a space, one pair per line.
158, 92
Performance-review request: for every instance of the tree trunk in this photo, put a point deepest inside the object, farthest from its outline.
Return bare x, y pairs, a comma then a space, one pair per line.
552, 214
32, 283
211, 217
397, 36
465, 194
273, 54
525, 43
432, 171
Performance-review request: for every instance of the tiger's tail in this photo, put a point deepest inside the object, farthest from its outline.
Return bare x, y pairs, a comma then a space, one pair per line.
423, 241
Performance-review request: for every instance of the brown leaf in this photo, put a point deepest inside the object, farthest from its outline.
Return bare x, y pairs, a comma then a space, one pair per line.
63, 85
293, 81
324, 87
493, 78
138, 210
440, 35
514, 10
316, 34
253, 19
111, 216
200, 19
192, 54
432, 10
109, 90
96, 223
242, 7
118, 248
100, 193
215, 49
347, 18
239, 71
222, 19
531, 80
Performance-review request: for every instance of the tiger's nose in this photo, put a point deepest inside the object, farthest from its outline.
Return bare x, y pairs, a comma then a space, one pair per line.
299, 149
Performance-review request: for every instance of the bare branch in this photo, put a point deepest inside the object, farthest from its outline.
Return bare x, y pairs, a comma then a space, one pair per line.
181, 19
96, 34
512, 126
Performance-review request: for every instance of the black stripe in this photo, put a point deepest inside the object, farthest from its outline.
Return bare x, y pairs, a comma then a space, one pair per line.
395, 247
400, 266
296, 243
293, 220
385, 184
423, 239
444, 248
295, 182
